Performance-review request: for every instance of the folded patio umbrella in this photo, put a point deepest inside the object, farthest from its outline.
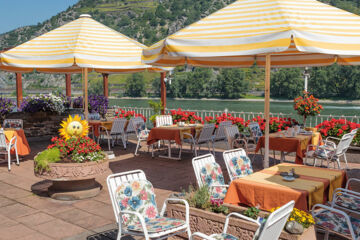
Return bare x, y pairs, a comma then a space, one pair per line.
271, 33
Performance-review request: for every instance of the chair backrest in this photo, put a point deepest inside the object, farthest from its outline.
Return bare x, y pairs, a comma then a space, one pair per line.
220, 131
231, 132
345, 142
3, 144
115, 180
163, 120
237, 163
118, 126
275, 222
94, 116
206, 133
133, 122
13, 123
81, 115
255, 130
202, 162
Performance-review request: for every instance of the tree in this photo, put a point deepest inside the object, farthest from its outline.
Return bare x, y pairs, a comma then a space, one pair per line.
231, 83
287, 83
135, 85
96, 87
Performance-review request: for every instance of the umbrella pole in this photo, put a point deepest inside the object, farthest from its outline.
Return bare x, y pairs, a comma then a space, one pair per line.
86, 110
267, 109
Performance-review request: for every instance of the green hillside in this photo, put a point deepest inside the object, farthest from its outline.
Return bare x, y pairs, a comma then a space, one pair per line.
151, 20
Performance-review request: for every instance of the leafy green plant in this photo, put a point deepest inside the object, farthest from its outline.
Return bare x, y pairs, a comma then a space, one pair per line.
43, 159
252, 212
157, 108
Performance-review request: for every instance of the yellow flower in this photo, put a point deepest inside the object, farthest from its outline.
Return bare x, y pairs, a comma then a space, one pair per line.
292, 219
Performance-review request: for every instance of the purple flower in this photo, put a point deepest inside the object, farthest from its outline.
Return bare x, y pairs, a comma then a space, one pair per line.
6, 106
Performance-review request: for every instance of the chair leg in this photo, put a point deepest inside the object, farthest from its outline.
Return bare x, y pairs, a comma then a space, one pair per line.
346, 163
213, 148
123, 139
9, 160
17, 156
137, 147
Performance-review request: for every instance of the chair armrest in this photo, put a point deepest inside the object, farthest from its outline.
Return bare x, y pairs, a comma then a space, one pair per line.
190, 135
340, 191
138, 215
239, 216
176, 200
104, 128
351, 180
335, 138
12, 141
219, 185
201, 235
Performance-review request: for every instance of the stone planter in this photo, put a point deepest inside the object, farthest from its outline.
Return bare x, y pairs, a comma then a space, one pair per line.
74, 181
209, 223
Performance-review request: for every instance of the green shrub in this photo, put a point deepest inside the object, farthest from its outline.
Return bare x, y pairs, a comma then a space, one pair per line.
45, 157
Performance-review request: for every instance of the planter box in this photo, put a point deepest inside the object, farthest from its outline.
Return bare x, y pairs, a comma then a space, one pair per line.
209, 223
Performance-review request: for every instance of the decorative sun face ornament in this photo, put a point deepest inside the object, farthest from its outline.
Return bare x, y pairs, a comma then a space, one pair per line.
74, 128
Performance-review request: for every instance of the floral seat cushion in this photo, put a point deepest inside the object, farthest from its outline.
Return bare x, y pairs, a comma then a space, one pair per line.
224, 236
336, 222
212, 175
348, 201
157, 224
137, 196
240, 166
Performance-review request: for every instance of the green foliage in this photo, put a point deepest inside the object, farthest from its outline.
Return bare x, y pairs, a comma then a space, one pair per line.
231, 83
252, 212
135, 85
286, 83
157, 107
45, 157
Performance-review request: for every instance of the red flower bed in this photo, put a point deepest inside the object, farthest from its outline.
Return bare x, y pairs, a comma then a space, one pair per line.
240, 122
129, 114
276, 124
338, 128
185, 116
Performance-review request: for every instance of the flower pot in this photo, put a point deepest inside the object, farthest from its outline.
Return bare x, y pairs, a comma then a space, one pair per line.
74, 181
209, 223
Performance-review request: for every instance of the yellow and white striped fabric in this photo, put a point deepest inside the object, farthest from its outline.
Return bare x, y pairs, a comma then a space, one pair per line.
295, 33
78, 44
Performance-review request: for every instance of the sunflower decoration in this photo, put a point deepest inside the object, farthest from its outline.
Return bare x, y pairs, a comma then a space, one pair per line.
74, 127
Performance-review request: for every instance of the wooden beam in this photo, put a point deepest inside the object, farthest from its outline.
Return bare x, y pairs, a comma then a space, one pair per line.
267, 109
163, 91
19, 90
86, 100
68, 84
106, 84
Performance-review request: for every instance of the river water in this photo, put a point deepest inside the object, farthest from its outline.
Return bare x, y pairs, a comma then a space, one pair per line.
240, 106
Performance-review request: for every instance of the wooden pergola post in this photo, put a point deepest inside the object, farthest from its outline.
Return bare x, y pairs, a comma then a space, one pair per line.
106, 84
163, 92
86, 100
19, 92
68, 84
267, 109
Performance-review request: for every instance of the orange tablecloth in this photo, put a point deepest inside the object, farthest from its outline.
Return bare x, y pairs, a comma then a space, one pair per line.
22, 144
267, 189
296, 144
170, 133
95, 126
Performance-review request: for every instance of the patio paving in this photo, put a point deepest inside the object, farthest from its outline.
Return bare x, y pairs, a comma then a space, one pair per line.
26, 212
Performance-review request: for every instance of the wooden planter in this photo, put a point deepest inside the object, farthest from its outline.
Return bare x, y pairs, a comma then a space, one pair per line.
74, 181
209, 223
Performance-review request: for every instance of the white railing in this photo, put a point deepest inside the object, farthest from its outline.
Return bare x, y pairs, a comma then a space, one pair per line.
311, 121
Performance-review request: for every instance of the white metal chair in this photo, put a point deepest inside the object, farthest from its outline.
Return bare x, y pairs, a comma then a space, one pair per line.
205, 137
142, 134
238, 164
208, 172
220, 131
163, 120
346, 199
136, 213
94, 116
117, 130
132, 122
255, 131
336, 221
268, 230
5, 148
330, 151
13, 123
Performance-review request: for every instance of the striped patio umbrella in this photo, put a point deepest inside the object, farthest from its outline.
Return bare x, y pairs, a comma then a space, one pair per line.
80, 46
270, 33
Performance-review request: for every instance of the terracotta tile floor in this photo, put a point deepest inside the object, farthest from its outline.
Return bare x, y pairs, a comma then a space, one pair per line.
27, 213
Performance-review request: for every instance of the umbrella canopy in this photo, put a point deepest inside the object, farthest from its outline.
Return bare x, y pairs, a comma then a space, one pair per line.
296, 33
82, 43
270, 33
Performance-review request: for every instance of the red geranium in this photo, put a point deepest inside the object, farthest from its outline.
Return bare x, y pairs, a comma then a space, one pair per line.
185, 116
307, 105
120, 113
338, 128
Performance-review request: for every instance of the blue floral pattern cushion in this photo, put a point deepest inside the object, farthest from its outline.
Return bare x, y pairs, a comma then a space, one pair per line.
157, 224
137, 196
211, 174
336, 222
224, 236
240, 166
348, 201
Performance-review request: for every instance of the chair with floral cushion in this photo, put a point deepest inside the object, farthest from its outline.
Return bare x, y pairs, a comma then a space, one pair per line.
346, 199
267, 230
238, 164
142, 134
209, 173
330, 151
336, 221
136, 213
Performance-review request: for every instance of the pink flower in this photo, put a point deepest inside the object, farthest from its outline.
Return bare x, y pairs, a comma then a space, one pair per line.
124, 202
143, 195
151, 212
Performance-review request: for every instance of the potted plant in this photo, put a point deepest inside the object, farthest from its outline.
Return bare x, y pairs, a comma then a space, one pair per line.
72, 162
157, 108
307, 106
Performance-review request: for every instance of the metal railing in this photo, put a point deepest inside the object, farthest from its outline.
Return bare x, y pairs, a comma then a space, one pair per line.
311, 121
